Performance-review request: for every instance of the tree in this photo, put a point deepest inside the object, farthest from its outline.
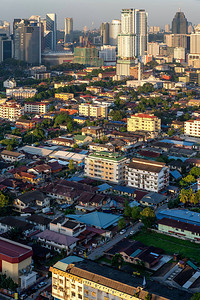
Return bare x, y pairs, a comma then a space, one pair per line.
71, 165
196, 296
148, 296
135, 213
195, 172
148, 217
117, 260
127, 209
4, 200
9, 147
183, 196
121, 223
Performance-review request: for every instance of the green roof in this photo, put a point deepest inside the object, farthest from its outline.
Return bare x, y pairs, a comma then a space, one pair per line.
107, 155
80, 137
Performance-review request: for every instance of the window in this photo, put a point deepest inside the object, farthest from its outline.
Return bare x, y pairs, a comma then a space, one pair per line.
73, 294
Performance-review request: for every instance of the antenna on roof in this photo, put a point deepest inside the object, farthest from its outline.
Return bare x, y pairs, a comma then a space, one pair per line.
179, 5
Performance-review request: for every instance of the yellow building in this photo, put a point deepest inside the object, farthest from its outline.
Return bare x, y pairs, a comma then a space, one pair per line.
64, 96
74, 278
144, 122
95, 111
106, 166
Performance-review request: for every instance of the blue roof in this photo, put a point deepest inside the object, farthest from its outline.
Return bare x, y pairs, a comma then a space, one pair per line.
175, 174
97, 219
182, 215
124, 189
75, 178
104, 187
78, 118
182, 158
136, 252
175, 142
134, 203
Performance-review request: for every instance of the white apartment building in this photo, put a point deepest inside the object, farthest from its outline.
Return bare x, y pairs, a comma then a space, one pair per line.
20, 93
11, 111
108, 53
192, 128
9, 83
36, 107
147, 175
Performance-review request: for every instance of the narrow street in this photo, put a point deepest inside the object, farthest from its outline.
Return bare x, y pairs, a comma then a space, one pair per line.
98, 252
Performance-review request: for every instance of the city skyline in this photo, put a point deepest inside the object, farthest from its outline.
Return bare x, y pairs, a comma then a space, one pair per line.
159, 13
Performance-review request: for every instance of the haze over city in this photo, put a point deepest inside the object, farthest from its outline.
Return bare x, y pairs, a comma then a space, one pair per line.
84, 12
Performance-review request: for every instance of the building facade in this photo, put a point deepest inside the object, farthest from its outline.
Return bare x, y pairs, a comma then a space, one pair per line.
20, 93
36, 107
144, 122
106, 166
192, 128
95, 111
180, 24
68, 30
147, 175
11, 111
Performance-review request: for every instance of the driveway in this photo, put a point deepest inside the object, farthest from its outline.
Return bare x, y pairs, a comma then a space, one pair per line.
98, 252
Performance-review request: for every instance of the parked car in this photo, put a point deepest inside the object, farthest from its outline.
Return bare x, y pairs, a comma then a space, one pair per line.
122, 231
132, 232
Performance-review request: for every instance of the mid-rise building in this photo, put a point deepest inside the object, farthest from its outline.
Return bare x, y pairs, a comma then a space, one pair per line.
4, 28
96, 132
147, 175
87, 56
76, 278
20, 93
36, 107
15, 261
192, 128
94, 111
11, 111
106, 166
64, 96
108, 54
144, 122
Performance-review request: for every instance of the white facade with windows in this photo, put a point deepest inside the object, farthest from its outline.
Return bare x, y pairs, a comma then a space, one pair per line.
147, 175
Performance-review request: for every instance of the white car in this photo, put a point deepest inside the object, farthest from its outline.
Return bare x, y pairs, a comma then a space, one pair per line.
132, 232
122, 231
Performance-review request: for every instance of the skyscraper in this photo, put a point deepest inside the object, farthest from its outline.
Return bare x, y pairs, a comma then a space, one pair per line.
179, 24
132, 41
27, 40
105, 33
114, 31
50, 32
68, 30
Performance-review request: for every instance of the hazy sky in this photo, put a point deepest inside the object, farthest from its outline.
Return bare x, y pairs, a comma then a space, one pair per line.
84, 12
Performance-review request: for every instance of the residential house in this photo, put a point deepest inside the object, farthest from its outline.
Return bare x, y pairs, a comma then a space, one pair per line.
31, 199
57, 241
66, 226
12, 156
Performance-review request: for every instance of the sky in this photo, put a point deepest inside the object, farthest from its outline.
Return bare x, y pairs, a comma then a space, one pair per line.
84, 12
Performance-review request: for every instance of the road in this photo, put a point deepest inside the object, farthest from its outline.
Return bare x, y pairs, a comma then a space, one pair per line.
98, 252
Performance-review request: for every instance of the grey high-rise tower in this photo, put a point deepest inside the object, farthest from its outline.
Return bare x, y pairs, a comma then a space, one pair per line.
68, 30
27, 40
179, 24
50, 32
